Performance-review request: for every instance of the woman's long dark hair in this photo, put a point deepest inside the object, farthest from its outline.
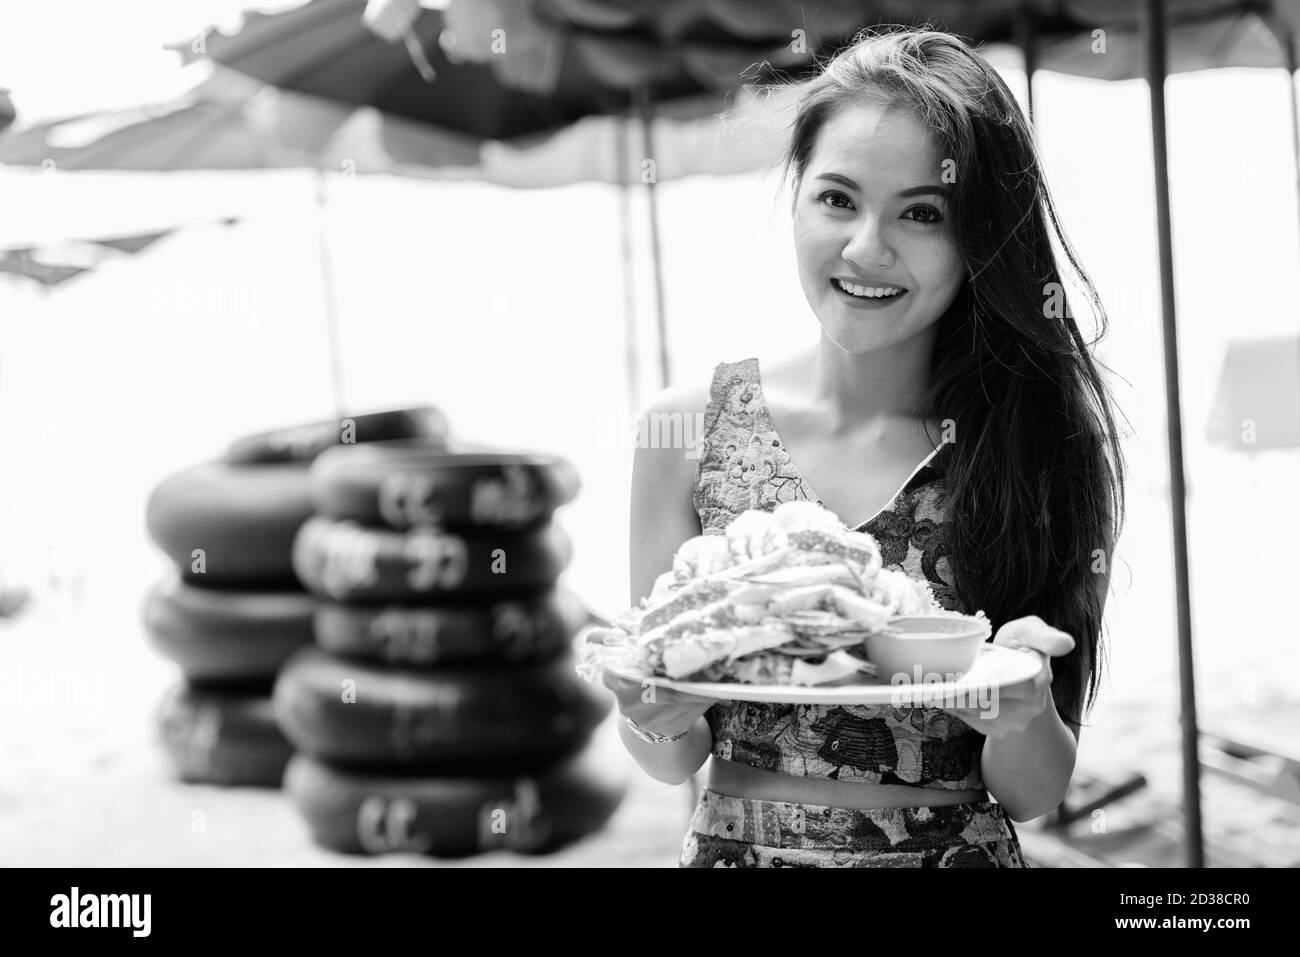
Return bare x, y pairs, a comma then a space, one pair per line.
1034, 470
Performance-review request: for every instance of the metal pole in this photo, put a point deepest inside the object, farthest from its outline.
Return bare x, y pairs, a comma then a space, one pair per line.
1153, 29
622, 134
646, 110
1289, 46
329, 298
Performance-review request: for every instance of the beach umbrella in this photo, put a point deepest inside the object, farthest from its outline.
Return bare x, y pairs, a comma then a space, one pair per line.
496, 71
533, 84
53, 263
225, 121
533, 65
228, 120
1199, 35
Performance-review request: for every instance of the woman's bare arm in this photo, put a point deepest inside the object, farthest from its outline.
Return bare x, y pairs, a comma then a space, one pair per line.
663, 478
662, 518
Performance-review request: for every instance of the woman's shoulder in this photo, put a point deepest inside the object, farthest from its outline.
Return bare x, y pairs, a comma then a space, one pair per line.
695, 395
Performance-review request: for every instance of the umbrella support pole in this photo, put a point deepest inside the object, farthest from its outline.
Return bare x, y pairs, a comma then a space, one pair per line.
329, 298
1153, 28
646, 110
1289, 46
630, 325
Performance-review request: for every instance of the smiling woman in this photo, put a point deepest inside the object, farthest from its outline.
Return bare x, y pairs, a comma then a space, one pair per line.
923, 235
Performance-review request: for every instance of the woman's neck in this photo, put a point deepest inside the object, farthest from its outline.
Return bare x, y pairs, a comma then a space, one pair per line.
869, 387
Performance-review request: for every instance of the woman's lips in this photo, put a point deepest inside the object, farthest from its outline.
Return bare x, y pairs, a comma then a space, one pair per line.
864, 302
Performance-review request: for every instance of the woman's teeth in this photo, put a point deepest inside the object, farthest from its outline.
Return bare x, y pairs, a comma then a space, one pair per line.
869, 292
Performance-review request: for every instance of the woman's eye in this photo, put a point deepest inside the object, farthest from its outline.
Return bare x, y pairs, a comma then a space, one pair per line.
831, 198
931, 215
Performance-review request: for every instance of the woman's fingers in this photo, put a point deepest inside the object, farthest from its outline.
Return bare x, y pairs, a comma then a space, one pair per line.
1033, 633
617, 683
646, 692
594, 634
656, 694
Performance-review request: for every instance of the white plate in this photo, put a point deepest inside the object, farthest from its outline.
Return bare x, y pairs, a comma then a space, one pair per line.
996, 668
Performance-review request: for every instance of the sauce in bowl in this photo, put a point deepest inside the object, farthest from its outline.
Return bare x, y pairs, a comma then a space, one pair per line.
919, 648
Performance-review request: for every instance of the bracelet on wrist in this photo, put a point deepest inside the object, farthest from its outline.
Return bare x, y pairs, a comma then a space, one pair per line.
654, 737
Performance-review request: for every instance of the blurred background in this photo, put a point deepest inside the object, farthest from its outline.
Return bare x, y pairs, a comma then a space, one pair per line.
267, 256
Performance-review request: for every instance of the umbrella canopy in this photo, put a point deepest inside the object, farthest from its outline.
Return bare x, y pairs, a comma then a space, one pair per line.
1201, 34
233, 120
502, 69
542, 81
229, 121
324, 48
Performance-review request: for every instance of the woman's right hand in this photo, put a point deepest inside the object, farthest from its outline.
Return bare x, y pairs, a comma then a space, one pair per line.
661, 710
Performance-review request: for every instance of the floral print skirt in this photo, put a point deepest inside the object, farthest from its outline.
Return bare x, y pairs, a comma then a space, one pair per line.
729, 831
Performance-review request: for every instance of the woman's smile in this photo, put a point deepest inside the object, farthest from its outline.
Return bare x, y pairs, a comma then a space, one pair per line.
864, 296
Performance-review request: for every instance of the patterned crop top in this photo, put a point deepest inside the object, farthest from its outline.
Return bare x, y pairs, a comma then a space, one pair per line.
744, 465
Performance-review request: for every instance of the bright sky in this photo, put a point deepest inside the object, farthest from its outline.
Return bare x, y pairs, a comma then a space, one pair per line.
60, 57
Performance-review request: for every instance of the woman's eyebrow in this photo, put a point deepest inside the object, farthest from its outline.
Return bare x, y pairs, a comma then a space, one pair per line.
943, 191
935, 190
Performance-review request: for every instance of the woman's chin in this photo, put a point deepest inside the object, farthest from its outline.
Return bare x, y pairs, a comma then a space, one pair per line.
857, 334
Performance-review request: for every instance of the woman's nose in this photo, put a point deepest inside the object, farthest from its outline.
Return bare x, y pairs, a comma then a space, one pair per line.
868, 246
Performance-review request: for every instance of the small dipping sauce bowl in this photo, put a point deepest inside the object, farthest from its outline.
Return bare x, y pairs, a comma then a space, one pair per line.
927, 648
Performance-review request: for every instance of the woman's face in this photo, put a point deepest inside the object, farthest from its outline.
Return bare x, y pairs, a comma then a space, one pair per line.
871, 214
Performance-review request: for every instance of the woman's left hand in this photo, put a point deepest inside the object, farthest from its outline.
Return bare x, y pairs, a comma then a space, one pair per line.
1011, 710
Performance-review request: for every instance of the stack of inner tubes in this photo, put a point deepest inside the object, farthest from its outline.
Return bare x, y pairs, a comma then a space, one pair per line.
439, 711
233, 610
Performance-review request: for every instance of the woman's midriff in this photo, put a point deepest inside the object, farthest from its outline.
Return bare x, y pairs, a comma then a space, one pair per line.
743, 781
